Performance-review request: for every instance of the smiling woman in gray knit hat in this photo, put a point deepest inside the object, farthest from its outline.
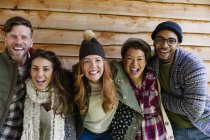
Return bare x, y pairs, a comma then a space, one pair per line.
183, 80
95, 90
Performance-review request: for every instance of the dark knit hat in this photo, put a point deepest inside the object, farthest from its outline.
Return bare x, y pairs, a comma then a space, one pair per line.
90, 46
168, 25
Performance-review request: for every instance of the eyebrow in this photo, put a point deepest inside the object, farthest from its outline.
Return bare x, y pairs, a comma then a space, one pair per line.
138, 56
38, 66
167, 38
93, 58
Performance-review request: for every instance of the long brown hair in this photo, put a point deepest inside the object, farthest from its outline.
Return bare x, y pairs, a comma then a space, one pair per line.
109, 91
63, 93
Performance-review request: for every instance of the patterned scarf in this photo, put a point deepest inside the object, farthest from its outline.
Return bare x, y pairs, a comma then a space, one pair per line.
152, 127
31, 121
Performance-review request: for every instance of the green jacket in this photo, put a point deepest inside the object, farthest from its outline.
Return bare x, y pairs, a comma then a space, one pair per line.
8, 79
127, 96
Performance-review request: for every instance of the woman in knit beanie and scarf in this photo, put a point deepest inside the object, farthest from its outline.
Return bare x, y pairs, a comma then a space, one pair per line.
95, 90
48, 111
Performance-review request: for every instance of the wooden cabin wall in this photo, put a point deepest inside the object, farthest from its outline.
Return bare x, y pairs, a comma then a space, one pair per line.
59, 24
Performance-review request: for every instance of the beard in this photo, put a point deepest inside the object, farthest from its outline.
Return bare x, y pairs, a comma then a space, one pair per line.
18, 55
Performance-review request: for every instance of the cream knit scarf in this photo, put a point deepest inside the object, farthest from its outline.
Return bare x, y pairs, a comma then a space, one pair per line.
31, 121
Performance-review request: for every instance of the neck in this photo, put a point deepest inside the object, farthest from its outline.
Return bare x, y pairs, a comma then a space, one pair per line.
22, 61
138, 81
47, 106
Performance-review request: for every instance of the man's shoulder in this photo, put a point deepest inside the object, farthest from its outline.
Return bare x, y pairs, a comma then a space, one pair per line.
188, 61
187, 56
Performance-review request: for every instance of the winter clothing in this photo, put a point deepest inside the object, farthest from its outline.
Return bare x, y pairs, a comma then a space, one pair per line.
188, 89
90, 46
133, 113
168, 25
33, 114
12, 95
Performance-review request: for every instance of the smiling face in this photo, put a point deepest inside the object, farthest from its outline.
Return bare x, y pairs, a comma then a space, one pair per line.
18, 41
164, 50
93, 68
134, 63
41, 73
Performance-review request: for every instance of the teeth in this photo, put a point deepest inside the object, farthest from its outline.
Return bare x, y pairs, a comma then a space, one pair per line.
18, 48
93, 72
162, 51
134, 69
40, 81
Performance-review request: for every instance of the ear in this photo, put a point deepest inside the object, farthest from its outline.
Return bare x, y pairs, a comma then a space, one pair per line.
5, 41
152, 50
32, 42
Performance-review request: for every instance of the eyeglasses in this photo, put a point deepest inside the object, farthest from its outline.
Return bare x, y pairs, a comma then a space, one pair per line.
161, 40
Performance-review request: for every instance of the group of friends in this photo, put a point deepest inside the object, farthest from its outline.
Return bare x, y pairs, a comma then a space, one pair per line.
141, 97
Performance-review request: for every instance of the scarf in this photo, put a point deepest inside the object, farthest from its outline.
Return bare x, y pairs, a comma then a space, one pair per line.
31, 121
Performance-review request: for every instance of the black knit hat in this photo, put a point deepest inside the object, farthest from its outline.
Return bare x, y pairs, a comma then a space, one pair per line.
90, 46
168, 25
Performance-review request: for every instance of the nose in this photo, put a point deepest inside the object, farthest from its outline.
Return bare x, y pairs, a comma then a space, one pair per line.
40, 73
165, 44
134, 62
93, 63
19, 40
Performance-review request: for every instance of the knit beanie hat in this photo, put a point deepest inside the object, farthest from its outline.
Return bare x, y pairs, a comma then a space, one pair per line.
168, 25
90, 46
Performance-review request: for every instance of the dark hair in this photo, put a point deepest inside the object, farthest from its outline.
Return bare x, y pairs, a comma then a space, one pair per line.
136, 43
59, 82
17, 20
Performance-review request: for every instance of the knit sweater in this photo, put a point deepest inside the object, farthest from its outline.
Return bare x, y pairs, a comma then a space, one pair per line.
188, 89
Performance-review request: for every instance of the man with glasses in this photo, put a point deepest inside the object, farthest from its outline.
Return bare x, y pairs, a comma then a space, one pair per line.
18, 39
183, 80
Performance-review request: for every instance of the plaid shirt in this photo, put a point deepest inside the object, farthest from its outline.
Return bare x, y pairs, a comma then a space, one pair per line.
152, 127
12, 128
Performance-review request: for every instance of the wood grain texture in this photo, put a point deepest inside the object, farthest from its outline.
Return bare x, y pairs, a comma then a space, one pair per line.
98, 22
204, 2
106, 38
112, 51
115, 7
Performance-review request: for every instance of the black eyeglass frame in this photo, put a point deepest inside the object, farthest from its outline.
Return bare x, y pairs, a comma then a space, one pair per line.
161, 40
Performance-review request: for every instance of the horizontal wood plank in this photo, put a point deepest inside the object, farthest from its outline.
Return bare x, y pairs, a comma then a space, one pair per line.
112, 51
114, 7
97, 22
197, 2
106, 38
73, 50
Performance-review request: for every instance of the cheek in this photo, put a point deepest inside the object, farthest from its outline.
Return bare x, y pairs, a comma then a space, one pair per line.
85, 69
102, 67
127, 64
49, 75
32, 74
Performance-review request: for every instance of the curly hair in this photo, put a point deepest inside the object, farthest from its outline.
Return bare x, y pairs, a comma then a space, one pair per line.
63, 103
109, 91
